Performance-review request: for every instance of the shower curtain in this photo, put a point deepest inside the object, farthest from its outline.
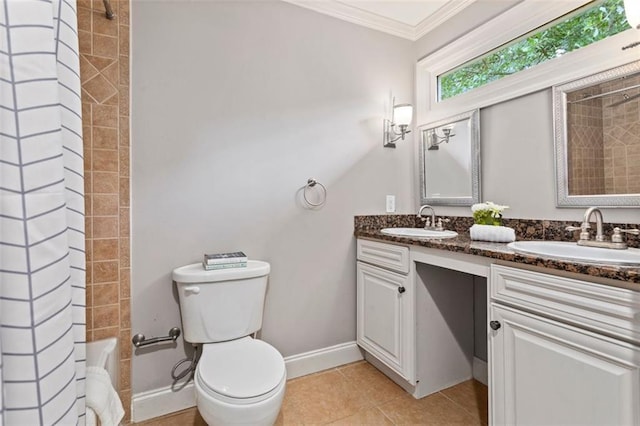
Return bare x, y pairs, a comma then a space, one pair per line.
42, 261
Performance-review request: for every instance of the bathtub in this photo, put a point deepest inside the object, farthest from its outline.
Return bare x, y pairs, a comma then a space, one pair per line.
103, 353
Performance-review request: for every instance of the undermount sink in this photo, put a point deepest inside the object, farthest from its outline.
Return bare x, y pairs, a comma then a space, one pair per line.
419, 233
572, 251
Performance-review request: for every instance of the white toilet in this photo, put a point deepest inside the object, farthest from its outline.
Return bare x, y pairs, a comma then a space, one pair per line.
239, 379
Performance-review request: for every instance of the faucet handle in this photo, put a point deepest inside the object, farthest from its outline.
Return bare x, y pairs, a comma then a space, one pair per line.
583, 228
617, 232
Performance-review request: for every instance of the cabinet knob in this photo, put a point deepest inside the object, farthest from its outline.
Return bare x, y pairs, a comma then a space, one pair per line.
495, 325
401, 290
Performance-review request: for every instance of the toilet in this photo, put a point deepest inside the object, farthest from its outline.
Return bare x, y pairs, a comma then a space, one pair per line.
238, 379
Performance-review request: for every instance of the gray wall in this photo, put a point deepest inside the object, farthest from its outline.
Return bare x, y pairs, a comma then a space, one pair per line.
235, 105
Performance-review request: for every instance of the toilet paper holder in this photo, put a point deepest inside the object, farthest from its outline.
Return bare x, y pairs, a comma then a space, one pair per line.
139, 339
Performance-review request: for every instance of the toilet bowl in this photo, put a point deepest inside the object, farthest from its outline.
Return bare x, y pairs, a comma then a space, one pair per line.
240, 382
238, 379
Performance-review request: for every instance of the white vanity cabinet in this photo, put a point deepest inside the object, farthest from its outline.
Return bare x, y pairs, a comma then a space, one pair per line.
385, 306
562, 351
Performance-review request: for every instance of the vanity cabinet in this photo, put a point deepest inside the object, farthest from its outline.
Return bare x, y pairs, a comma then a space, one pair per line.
385, 300
562, 351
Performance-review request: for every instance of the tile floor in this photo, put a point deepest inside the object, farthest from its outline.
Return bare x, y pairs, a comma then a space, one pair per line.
358, 394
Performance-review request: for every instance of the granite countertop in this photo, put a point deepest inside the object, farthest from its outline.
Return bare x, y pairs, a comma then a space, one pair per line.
463, 244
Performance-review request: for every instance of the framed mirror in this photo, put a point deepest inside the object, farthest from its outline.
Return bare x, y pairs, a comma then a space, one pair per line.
597, 139
450, 161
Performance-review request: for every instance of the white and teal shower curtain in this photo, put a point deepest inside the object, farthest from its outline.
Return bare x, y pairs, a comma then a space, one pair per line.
42, 260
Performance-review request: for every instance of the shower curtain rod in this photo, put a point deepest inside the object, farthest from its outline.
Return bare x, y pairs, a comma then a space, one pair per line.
601, 94
108, 10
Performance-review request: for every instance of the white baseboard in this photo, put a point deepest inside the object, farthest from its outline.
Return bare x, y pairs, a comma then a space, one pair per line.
162, 401
158, 402
322, 359
481, 371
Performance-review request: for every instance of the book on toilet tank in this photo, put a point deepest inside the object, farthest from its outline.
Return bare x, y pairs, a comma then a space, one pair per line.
224, 266
225, 258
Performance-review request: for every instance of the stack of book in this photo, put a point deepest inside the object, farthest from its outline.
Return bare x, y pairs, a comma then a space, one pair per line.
225, 260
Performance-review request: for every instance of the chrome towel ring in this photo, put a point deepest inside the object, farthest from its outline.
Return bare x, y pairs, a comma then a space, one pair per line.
311, 182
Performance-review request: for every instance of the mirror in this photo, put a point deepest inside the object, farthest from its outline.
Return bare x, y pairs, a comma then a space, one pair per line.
450, 161
597, 139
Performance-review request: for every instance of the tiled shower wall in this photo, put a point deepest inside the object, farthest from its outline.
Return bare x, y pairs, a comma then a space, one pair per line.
104, 69
585, 152
621, 129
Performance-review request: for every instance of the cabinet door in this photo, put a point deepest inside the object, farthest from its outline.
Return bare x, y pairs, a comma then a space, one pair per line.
543, 372
385, 318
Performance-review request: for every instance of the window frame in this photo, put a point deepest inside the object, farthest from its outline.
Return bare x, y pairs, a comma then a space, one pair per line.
514, 23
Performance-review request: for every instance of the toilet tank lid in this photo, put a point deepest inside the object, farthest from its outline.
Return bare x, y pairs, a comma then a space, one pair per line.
195, 273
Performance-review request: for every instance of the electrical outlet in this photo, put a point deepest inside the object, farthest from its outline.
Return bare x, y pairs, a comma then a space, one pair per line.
391, 203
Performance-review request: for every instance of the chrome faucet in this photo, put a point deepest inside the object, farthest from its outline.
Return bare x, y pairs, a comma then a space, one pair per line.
600, 240
587, 216
430, 223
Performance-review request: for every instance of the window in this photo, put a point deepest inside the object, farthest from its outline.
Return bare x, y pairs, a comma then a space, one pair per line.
564, 35
537, 45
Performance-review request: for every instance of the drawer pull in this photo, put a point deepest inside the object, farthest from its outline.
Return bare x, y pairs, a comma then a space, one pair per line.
401, 290
495, 325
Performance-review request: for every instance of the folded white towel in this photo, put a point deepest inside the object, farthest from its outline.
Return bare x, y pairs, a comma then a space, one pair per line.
102, 397
495, 234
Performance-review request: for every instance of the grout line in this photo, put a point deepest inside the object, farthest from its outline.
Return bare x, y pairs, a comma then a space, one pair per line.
462, 407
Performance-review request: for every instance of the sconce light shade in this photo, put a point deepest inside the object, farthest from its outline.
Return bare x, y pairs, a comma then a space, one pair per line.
632, 11
402, 115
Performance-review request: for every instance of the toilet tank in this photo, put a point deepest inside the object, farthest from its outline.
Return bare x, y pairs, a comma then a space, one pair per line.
222, 304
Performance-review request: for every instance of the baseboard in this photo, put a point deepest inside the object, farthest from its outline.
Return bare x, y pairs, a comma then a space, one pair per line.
159, 402
481, 371
322, 359
162, 401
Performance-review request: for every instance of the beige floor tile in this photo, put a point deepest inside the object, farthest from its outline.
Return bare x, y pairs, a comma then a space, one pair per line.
434, 409
472, 396
368, 416
325, 397
376, 387
189, 417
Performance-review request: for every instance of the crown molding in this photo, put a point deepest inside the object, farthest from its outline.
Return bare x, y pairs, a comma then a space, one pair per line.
380, 23
443, 14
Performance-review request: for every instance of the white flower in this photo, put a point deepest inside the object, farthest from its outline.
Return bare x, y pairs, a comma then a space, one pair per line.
495, 209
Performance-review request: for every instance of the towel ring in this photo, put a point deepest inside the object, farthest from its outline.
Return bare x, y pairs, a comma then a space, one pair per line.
311, 182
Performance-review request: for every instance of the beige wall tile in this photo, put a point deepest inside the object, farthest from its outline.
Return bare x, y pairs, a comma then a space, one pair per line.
125, 282
124, 192
105, 294
105, 46
105, 227
105, 183
107, 249
105, 160
105, 272
105, 138
104, 26
107, 317
104, 115
105, 204
125, 313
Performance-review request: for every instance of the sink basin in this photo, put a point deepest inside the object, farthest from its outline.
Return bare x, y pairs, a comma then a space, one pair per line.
572, 251
418, 233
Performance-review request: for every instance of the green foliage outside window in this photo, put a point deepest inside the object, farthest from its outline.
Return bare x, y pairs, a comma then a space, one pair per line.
594, 24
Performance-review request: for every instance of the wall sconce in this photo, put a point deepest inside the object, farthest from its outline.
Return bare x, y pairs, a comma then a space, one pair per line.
632, 11
400, 119
435, 139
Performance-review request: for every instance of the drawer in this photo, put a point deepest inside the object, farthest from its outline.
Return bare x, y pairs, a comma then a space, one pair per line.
388, 256
610, 310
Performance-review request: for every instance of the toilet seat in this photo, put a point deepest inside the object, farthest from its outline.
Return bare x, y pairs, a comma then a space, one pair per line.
242, 371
